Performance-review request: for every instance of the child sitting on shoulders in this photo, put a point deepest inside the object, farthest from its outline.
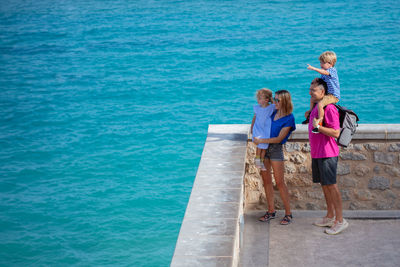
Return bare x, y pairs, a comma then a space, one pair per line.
329, 75
261, 124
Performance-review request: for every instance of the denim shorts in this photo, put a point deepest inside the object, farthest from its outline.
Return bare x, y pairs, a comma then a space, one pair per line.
274, 152
324, 170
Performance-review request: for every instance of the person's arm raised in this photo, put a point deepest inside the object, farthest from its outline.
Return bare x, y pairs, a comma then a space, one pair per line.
320, 71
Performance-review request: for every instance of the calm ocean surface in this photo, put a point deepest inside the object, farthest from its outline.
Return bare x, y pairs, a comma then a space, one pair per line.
105, 107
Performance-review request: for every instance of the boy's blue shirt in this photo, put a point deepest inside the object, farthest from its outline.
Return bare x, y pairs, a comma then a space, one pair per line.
332, 80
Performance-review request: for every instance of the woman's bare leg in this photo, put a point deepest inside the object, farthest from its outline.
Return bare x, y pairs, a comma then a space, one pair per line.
268, 187
278, 167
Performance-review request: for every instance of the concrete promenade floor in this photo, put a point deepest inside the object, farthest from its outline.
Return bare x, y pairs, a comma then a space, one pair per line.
372, 239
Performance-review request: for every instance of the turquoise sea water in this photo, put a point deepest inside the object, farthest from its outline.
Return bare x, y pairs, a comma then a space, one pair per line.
105, 107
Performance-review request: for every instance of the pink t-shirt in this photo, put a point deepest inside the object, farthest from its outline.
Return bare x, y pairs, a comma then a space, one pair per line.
323, 146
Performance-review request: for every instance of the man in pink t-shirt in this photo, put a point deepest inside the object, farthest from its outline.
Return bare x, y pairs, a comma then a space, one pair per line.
324, 154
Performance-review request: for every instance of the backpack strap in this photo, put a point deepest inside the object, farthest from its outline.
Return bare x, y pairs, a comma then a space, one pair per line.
342, 109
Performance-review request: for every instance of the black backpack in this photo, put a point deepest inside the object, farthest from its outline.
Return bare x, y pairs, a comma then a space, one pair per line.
348, 123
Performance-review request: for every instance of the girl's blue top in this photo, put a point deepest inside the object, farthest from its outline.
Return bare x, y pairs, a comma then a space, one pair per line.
262, 125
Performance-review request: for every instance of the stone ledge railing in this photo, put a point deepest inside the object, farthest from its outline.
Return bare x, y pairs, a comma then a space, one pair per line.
368, 172
210, 234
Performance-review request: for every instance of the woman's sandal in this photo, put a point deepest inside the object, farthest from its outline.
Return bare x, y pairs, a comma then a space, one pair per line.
267, 216
287, 219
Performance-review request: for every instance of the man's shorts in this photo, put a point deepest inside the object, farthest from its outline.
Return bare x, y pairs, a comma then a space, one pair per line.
274, 152
324, 170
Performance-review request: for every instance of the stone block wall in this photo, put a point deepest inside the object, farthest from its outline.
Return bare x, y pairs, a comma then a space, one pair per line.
368, 175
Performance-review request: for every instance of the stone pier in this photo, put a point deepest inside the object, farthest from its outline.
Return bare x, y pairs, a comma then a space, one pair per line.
220, 229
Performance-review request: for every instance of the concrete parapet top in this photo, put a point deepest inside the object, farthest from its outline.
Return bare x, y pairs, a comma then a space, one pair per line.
209, 235
363, 132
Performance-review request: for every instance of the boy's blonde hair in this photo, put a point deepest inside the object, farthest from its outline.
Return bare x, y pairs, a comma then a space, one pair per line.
328, 57
266, 93
285, 100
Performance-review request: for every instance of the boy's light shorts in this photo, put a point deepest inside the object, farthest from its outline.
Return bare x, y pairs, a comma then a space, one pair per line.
329, 99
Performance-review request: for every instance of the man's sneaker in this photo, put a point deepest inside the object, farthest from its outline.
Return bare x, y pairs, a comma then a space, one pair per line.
337, 228
325, 221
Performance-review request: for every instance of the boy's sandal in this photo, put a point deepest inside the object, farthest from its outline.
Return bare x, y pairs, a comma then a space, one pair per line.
287, 219
267, 216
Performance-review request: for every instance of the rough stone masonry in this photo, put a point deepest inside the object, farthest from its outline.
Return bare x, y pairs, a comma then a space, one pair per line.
368, 177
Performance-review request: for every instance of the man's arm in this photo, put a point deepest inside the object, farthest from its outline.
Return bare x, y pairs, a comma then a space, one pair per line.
329, 131
333, 117
320, 71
